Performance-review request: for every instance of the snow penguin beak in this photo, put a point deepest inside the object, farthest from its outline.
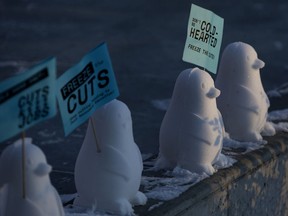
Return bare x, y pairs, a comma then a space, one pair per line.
43, 169
258, 64
213, 93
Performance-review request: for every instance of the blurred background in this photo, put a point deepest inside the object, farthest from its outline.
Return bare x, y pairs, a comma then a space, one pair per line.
146, 41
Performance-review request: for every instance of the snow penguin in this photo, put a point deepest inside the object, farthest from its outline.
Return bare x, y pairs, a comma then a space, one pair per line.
41, 198
192, 130
109, 165
243, 101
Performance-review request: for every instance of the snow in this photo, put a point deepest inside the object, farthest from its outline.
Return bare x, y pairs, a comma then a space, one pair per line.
278, 92
278, 115
281, 127
155, 206
161, 104
67, 197
78, 211
246, 147
172, 183
273, 93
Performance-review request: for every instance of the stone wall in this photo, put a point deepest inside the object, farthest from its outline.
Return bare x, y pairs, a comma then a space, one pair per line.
257, 184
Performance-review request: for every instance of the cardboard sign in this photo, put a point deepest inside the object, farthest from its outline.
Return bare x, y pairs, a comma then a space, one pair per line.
27, 99
85, 87
204, 38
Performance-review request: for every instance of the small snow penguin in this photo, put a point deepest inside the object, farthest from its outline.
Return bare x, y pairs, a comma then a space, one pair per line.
41, 198
243, 101
109, 165
192, 130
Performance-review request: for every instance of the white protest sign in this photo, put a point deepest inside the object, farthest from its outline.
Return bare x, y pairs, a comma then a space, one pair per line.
27, 99
85, 87
204, 38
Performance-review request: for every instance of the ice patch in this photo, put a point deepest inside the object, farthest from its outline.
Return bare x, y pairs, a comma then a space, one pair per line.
162, 104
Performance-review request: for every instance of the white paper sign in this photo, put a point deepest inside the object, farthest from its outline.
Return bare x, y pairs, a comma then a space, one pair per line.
204, 38
27, 99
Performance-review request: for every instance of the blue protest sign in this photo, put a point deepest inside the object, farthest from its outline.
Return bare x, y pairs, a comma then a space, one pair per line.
27, 99
85, 87
204, 38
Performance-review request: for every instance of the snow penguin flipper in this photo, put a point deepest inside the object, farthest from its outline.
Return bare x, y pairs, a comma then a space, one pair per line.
197, 129
250, 100
117, 163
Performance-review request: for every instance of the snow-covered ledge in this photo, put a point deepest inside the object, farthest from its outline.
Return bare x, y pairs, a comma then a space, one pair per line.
256, 184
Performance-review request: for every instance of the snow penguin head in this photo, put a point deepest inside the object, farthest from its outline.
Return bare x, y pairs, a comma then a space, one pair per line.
239, 63
113, 118
194, 86
36, 168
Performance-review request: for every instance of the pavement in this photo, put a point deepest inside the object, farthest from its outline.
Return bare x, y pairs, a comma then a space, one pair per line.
146, 40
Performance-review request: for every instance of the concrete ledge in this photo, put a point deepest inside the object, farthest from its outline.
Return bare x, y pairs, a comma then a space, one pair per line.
256, 184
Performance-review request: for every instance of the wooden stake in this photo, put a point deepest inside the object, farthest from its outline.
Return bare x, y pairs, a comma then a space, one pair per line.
23, 166
95, 136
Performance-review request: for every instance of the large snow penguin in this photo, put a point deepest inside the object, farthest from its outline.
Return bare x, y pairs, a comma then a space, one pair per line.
243, 101
41, 198
109, 165
191, 132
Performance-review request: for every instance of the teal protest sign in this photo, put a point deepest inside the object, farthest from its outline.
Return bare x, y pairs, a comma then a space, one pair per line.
85, 87
27, 99
204, 38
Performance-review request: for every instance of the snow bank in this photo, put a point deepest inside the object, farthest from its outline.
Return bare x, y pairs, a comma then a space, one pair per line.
279, 91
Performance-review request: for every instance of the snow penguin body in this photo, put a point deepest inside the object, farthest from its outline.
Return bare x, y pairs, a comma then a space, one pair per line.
243, 101
108, 170
191, 132
41, 198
